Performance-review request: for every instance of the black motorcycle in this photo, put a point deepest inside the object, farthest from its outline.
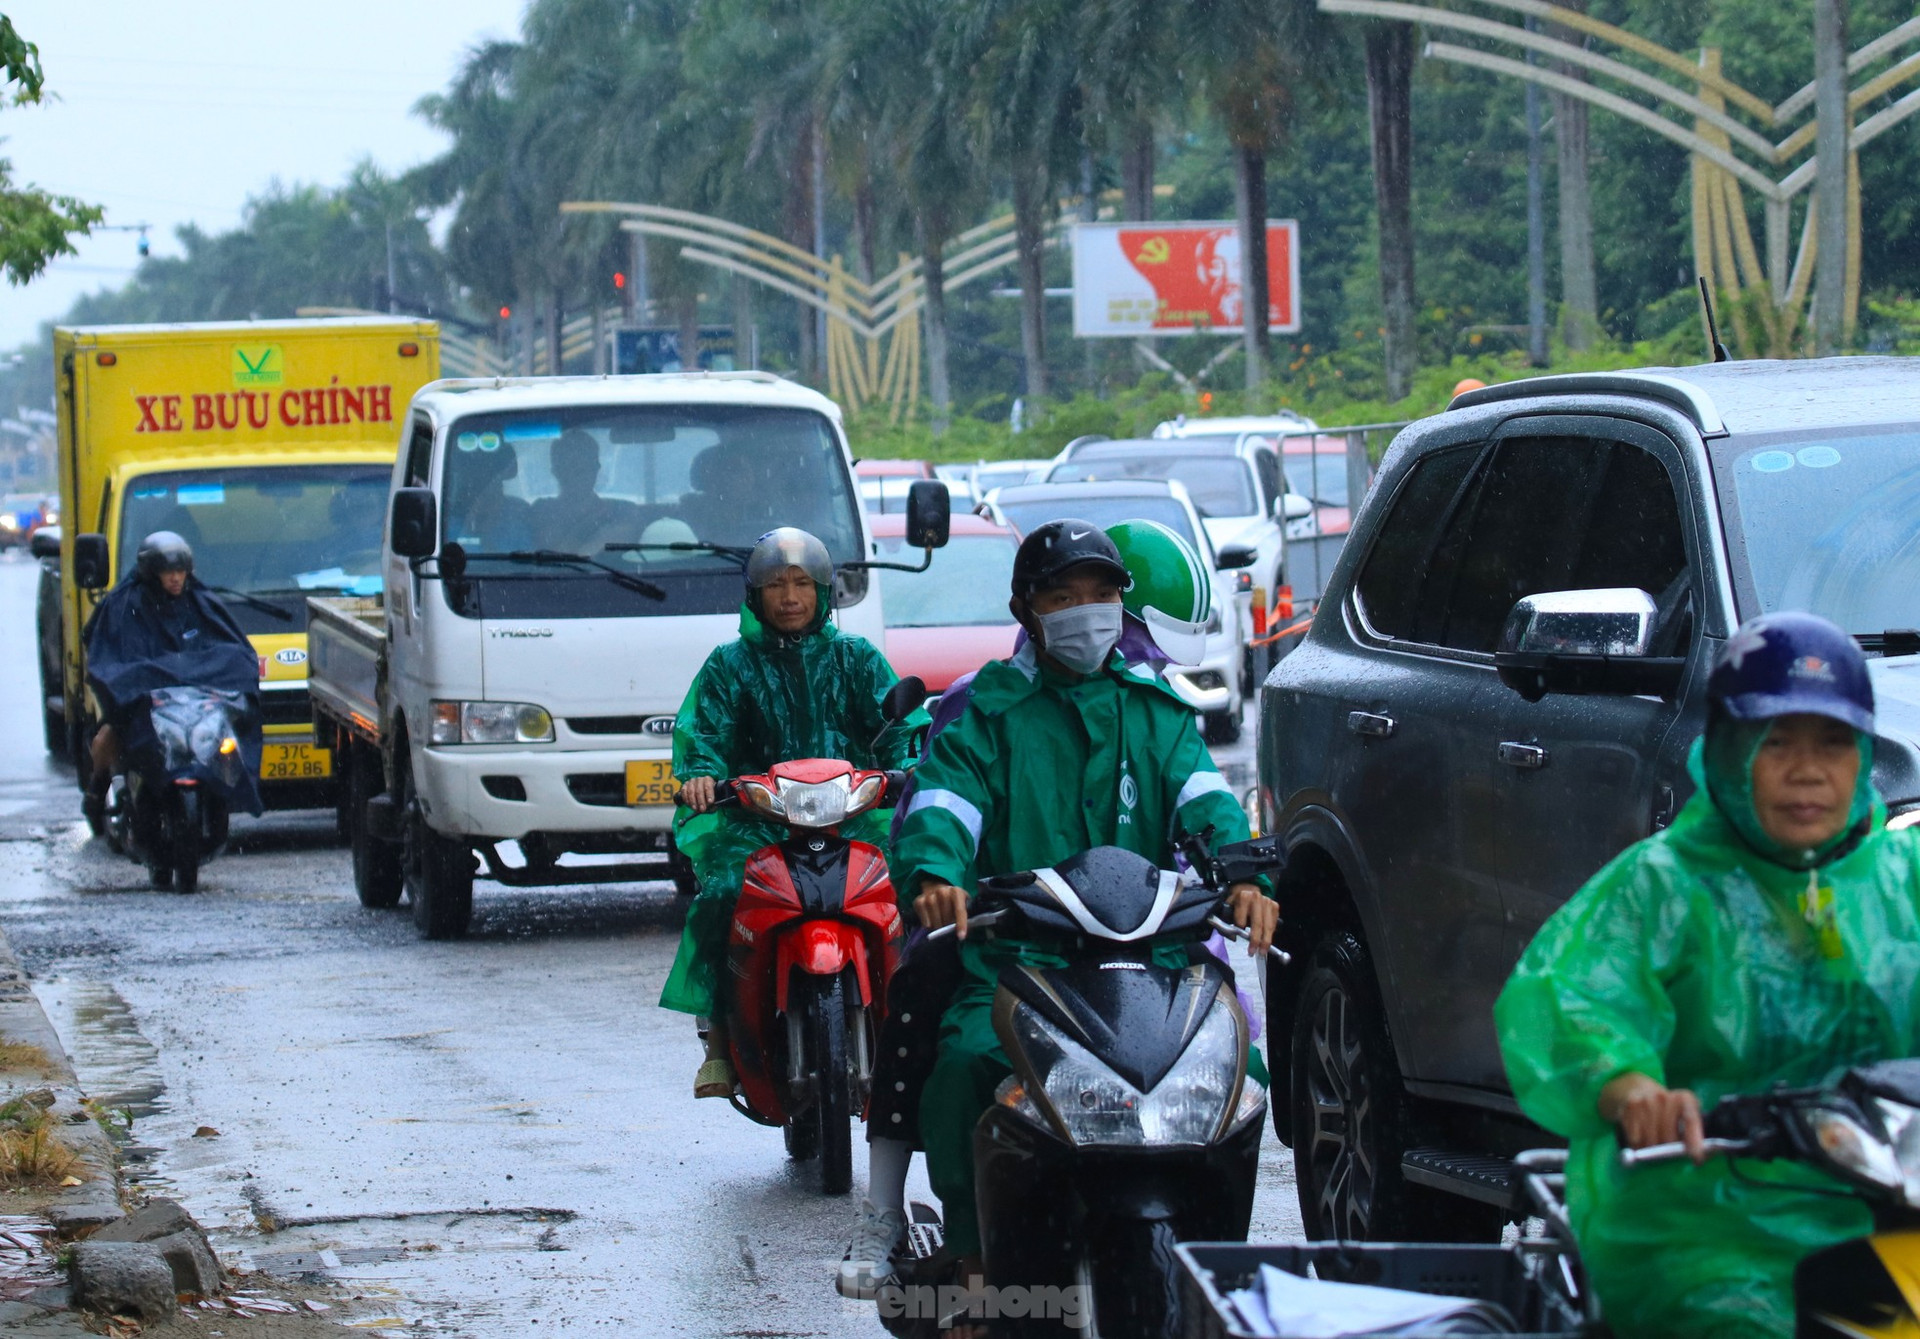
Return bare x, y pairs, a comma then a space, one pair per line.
168, 808
1130, 1122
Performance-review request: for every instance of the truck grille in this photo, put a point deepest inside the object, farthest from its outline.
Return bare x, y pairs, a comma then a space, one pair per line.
607, 789
605, 725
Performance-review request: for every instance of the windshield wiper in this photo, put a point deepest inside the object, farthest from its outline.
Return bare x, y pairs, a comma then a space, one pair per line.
557, 558
736, 552
1892, 642
264, 606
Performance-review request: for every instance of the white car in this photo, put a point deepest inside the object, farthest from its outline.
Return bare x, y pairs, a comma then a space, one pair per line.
1217, 686
1235, 489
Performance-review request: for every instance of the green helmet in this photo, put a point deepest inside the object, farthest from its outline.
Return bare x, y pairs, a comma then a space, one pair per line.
1171, 592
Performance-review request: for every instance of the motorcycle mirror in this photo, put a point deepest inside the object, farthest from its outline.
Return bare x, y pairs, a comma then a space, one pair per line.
92, 566
906, 696
45, 542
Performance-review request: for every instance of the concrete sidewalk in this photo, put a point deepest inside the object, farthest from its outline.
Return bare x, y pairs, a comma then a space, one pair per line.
44, 1312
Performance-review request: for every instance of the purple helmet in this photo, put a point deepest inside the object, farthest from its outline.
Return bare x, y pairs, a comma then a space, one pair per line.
1786, 663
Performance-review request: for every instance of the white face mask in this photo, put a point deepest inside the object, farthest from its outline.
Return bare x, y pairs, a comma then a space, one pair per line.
1082, 637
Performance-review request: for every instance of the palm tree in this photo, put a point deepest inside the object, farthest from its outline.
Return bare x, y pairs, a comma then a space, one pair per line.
1019, 60
1258, 55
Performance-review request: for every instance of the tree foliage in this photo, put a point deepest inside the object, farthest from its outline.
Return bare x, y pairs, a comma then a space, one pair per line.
35, 225
891, 126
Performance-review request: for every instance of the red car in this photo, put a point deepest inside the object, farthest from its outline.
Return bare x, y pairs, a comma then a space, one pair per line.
952, 618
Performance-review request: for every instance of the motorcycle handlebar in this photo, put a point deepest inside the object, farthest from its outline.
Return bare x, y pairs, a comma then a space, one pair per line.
1675, 1151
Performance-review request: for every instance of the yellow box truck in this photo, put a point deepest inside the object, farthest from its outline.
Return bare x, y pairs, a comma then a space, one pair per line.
269, 445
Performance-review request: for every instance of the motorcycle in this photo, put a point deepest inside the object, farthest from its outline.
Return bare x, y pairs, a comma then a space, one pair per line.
813, 942
169, 805
1864, 1131
1129, 1123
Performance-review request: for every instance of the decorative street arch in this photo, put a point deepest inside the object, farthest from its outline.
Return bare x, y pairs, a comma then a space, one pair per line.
1728, 152
873, 330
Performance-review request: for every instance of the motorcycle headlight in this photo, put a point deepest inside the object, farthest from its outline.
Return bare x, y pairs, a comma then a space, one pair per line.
1853, 1149
1093, 1105
818, 804
490, 723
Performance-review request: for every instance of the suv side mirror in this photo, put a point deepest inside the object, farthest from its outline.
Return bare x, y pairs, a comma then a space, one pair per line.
414, 531
1231, 557
929, 514
1585, 641
906, 696
1293, 507
92, 567
45, 542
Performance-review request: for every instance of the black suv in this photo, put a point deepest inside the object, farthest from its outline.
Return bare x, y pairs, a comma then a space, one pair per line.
1497, 697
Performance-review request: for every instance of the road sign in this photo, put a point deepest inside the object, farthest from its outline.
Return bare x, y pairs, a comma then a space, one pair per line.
1134, 279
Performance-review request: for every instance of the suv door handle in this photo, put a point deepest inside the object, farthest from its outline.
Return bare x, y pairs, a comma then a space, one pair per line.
1528, 756
1370, 724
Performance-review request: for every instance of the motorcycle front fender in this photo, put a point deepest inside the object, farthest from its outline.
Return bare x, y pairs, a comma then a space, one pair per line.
820, 948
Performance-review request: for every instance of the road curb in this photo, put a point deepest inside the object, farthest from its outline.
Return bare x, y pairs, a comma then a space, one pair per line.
96, 1200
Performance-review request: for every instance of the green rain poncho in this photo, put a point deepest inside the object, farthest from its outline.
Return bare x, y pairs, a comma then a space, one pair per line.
758, 701
1041, 767
1700, 962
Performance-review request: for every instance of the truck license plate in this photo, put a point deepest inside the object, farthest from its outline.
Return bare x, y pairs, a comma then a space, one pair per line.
650, 781
295, 762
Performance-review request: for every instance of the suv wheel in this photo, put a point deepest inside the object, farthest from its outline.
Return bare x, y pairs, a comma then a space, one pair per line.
1351, 1121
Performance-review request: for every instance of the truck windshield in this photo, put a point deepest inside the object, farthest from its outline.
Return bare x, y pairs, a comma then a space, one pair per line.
1826, 523
621, 486
279, 532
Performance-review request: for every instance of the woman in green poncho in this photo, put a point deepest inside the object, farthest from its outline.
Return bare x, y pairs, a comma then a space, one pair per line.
792, 686
1771, 935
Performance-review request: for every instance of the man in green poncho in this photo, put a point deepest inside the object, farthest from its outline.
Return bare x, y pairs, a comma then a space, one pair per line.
792, 686
1771, 935
1063, 747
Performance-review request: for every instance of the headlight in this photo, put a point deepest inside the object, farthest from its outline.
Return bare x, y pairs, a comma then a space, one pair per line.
1094, 1105
490, 723
818, 804
1854, 1150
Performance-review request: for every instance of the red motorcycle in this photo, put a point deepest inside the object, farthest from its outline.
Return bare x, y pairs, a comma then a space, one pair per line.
814, 939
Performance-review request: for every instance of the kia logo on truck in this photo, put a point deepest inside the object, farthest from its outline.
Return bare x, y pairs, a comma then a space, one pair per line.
657, 725
519, 632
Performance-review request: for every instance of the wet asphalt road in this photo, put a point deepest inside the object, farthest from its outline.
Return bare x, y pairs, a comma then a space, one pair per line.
497, 1136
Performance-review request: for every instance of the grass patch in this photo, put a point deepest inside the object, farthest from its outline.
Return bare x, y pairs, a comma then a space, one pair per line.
31, 1152
20, 1055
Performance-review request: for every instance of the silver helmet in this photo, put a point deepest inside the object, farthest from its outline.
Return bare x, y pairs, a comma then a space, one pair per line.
777, 550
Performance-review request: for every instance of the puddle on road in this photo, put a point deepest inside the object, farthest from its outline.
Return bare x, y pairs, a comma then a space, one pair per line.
118, 1068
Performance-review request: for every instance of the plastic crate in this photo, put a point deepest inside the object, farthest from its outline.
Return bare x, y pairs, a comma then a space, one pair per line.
1515, 1276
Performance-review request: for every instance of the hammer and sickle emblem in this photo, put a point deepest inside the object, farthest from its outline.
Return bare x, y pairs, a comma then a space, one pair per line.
1153, 251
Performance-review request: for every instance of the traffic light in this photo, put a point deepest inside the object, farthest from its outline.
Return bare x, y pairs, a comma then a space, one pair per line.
619, 280
506, 313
